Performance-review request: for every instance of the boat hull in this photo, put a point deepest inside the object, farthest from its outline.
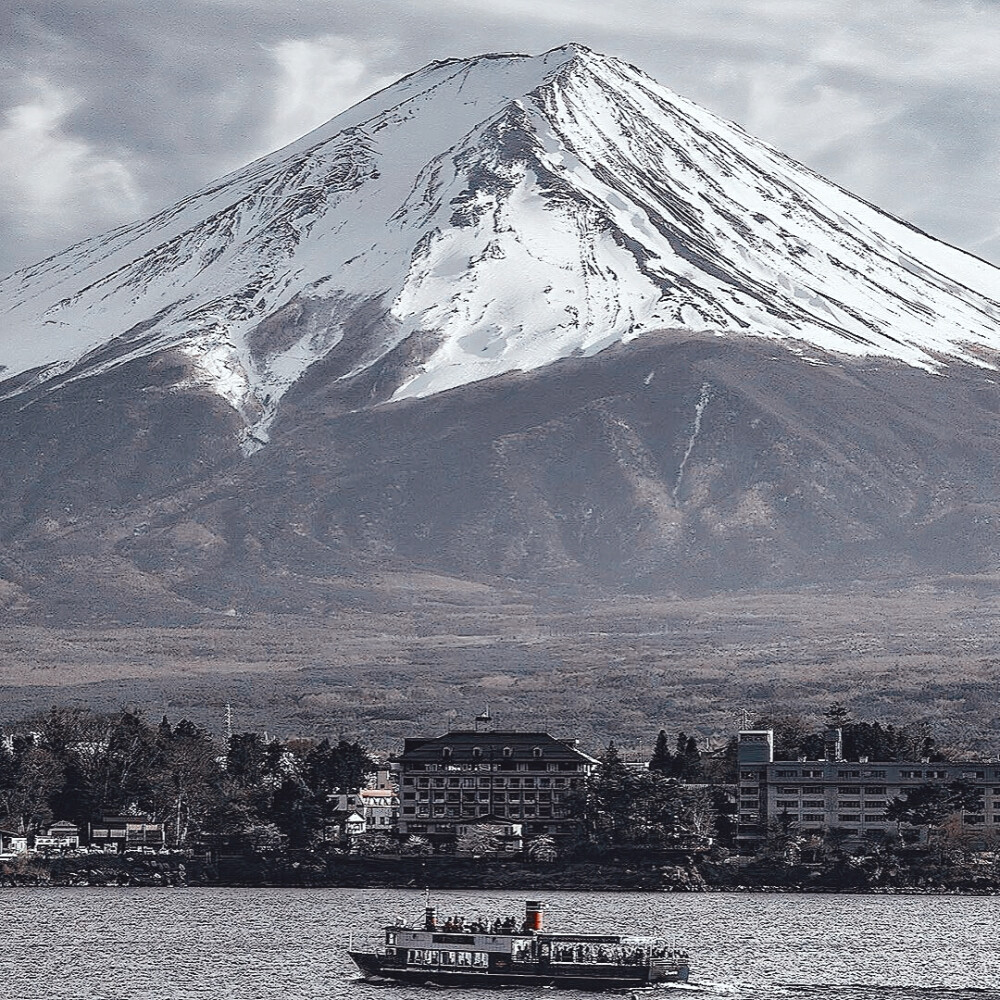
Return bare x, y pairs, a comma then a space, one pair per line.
374, 966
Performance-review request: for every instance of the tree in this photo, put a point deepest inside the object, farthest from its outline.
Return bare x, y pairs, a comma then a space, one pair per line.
662, 760
931, 804
127, 767
31, 776
689, 759
339, 769
191, 778
297, 813
837, 716
246, 759
481, 838
542, 848
611, 796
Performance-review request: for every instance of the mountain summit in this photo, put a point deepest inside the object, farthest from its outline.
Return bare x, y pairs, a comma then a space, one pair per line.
676, 361
490, 215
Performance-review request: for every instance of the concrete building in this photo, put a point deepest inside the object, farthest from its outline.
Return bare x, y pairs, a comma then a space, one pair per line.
816, 796
466, 777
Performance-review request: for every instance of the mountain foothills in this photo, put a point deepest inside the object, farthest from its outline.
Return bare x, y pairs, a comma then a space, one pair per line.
532, 323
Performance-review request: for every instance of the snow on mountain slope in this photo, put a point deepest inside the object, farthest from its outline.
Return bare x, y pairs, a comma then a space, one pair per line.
499, 213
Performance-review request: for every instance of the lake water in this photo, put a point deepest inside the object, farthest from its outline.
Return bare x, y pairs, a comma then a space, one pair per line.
289, 944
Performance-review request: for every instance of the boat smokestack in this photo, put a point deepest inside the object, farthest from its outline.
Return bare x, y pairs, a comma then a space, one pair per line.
430, 921
533, 915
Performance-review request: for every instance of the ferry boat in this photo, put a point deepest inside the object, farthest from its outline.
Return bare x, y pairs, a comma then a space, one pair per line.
513, 952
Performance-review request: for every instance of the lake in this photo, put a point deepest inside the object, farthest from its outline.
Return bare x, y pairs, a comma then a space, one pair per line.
289, 944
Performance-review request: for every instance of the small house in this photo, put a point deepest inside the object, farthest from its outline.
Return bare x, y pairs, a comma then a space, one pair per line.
59, 837
12, 844
118, 834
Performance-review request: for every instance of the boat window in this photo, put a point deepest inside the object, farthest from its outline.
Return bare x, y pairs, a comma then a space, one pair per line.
521, 951
447, 958
463, 958
479, 959
432, 957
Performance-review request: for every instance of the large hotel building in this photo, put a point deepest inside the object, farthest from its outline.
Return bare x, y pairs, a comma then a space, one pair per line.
529, 779
818, 795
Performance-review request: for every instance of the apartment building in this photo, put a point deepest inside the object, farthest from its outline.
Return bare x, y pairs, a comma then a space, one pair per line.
815, 796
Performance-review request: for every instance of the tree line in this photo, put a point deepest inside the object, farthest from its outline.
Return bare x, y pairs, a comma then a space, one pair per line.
74, 764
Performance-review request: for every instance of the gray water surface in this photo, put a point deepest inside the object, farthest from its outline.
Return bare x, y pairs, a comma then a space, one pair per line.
290, 944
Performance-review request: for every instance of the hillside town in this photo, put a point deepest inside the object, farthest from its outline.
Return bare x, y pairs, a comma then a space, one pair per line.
849, 804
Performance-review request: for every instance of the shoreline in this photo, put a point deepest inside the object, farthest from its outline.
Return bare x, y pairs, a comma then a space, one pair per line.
449, 872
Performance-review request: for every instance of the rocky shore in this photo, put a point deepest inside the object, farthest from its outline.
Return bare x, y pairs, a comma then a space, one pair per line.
918, 873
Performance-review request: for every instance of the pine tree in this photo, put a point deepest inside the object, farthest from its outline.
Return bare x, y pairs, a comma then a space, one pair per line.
662, 760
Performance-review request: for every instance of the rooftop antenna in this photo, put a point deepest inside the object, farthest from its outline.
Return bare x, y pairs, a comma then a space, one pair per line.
229, 722
744, 719
484, 719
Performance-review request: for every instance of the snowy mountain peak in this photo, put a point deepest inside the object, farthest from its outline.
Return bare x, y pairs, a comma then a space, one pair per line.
487, 215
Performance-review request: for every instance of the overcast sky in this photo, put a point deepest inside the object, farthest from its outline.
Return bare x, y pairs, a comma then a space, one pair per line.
111, 109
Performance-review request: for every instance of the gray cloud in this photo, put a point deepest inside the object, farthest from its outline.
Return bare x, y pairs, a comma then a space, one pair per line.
111, 109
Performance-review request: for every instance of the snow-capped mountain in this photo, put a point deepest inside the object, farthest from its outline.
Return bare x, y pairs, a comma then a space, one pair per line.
490, 215
677, 361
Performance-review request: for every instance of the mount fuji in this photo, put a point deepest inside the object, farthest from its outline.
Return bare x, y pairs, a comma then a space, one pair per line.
513, 318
